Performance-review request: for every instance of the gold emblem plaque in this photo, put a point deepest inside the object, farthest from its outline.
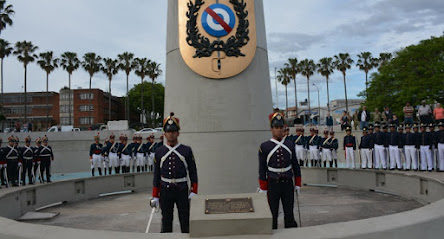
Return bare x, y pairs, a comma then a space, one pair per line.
229, 205
217, 57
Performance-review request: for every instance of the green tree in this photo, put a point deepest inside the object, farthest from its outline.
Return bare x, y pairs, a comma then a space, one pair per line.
91, 64
325, 68
135, 94
142, 70
283, 77
308, 67
5, 15
384, 58
342, 63
154, 72
126, 64
293, 70
25, 53
110, 68
5, 51
416, 73
48, 63
365, 63
70, 63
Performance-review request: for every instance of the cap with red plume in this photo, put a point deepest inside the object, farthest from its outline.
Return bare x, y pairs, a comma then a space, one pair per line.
276, 119
171, 123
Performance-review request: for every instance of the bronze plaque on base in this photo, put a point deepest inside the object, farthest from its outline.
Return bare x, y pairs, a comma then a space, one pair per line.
228, 205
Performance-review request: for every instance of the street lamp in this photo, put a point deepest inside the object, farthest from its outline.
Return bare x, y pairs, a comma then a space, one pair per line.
319, 104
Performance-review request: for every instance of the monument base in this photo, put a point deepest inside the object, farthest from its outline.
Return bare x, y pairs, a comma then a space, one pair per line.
255, 220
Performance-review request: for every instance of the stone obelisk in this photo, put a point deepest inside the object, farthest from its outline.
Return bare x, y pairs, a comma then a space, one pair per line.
223, 120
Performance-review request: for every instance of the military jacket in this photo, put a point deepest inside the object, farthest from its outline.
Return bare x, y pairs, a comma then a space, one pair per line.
425, 139
411, 139
393, 138
366, 142
95, 149
27, 153
45, 152
350, 141
314, 140
10, 153
379, 138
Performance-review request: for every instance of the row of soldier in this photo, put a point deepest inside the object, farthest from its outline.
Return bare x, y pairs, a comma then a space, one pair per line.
124, 157
20, 162
378, 147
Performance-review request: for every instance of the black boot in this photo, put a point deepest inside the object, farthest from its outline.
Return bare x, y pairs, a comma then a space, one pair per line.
138, 168
105, 170
336, 163
92, 172
331, 164
117, 169
325, 164
312, 163
100, 171
110, 170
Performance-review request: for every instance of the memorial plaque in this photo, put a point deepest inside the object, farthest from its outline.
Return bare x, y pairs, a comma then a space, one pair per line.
228, 205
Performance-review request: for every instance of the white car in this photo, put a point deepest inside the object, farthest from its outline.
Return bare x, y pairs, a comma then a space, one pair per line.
160, 129
149, 131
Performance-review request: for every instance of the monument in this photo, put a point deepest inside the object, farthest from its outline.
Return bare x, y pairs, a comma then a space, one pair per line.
217, 80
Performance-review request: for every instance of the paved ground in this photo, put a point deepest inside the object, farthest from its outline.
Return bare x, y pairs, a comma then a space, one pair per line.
130, 213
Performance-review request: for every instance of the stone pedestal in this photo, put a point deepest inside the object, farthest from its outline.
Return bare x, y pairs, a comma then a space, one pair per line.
223, 120
206, 225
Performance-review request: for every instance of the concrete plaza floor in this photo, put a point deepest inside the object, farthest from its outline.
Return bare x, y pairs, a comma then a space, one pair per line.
318, 205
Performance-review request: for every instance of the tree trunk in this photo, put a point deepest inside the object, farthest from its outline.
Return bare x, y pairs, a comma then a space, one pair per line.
89, 101
127, 100
25, 96
69, 99
328, 97
109, 101
309, 103
345, 89
141, 94
366, 85
47, 100
295, 96
286, 102
152, 102
1, 100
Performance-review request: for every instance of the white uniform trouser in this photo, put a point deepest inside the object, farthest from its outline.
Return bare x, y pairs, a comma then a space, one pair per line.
432, 153
300, 152
426, 158
150, 159
411, 157
441, 156
140, 159
350, 157
96, 161
314, 152
395, 157
366, 158
326, 155
114, 160
380, 156
334, 154
125, 161
106, 162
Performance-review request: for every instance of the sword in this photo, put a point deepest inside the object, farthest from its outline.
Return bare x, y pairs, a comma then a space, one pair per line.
33, 174
299, 210
6, 177
360, 158
20, 176
153, 211
40, 173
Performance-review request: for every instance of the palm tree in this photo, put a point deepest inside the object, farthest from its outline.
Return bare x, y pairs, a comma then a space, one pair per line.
342, 63
142, 69
110, 68
325, 68
384, 58
308, 67
365, 63
5, 51
48, 63
284, 78
126, 64
70, 63
25, 53
5, 15
153, 73
91, 64
293, 70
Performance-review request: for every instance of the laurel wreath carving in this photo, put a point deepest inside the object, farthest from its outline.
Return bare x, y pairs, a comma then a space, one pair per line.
203, 46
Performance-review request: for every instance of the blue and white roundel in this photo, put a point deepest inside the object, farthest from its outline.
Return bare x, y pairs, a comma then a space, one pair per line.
218, 20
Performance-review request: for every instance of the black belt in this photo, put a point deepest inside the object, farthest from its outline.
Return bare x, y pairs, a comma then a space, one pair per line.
281, 180
97, 154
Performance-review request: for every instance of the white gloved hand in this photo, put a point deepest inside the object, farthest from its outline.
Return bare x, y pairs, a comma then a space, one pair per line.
154, 202
191, 195
297, 189
259, 190
38, 162
19, 164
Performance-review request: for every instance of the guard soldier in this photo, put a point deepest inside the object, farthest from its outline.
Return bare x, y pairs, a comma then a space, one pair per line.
173, 164
124, 153
433, 149
425, 146
95, 155
133, 157
401, 145
139, 153
325, 149
12, 159
150, 147
27, 156
105, 157
418, 137
379, 140
395, 157
349, 148
313, 146
46, 155
2, 162
37, 162
112, 148
440, 145
301, 146
410, 148
334, 148
277, 167
366, 147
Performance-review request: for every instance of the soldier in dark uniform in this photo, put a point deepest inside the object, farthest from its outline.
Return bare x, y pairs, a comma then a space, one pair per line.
366, 147
37, 162
393, 139
111, 149
124, 153
325, 149
314, 142
150, 148
11, 155
440, 145
349, 148
132, 159
301, 146
95, 155
27, 158
433, 149
2, 163
401, 145
410, 149
425, 146
173, 164
334, 149
379, 141
139, 153
277, 168
105, 156
46, 156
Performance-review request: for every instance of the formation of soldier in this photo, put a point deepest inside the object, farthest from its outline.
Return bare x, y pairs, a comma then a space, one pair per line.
123, 156
19, 163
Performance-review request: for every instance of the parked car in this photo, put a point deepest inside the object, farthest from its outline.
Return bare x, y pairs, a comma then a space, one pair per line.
159, 129
149, 131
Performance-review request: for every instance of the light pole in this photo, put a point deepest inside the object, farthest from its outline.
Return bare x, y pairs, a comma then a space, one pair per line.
275, 81
319, 105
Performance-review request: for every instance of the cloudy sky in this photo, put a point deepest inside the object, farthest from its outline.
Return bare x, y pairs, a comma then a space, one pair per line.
295, 28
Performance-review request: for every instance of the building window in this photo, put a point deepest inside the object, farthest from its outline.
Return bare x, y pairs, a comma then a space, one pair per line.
65, 108
17, 99
84, 96
86, 120
65, 96
65, 120
86, 108
17, 110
